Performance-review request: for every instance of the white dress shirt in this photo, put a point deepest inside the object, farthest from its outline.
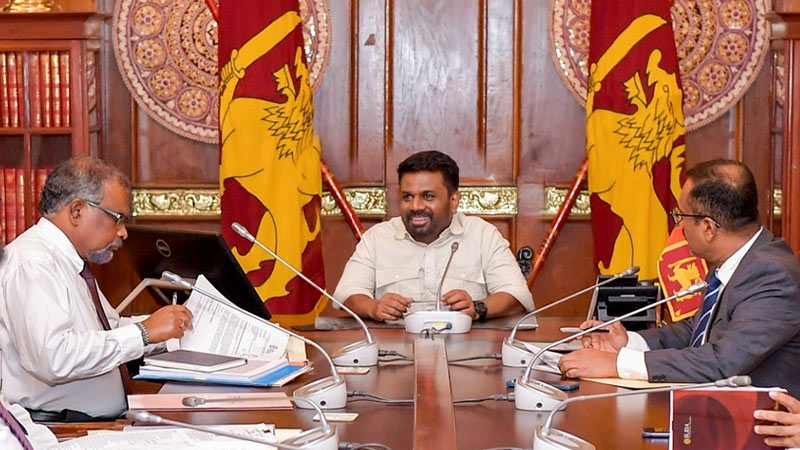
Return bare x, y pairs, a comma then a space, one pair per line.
389, 260
56, 354
38, 435
630, 361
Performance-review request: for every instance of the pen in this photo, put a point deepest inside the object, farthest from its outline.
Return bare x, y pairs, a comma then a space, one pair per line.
578, 330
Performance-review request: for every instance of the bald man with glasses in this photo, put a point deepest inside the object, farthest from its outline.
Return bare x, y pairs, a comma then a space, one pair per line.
64, 346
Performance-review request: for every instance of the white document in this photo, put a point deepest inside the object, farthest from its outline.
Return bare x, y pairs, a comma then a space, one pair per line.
548, 362
226, 330
169, 438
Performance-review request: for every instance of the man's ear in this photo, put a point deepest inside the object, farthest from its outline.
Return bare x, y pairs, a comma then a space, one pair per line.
74, 210
709, 228
454, 199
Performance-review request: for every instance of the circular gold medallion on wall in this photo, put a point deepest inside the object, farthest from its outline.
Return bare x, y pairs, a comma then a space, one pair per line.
721, 46
166, 51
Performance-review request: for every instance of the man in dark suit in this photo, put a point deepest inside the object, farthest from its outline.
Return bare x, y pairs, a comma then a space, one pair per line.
750, 320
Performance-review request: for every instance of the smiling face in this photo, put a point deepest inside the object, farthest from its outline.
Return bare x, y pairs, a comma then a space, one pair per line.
426, 207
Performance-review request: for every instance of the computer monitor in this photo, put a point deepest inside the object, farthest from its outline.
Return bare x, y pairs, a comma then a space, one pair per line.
189, 254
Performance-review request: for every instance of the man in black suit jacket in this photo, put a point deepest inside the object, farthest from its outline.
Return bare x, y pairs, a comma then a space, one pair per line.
754, 326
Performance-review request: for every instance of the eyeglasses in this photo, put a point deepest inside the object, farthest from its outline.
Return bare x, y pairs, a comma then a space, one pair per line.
677, 217
118, 217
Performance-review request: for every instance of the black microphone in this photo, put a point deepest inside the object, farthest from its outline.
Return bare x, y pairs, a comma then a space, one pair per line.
539, 396
362, 353
329, 392
517, 355
554, 439
453, 249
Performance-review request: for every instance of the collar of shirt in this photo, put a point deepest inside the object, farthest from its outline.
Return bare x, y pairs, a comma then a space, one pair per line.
53, 235
455, 228
725, 271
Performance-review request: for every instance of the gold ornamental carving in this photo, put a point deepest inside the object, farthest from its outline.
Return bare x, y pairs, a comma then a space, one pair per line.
30, 6
488, 200
554, 196
366, 201
175, 202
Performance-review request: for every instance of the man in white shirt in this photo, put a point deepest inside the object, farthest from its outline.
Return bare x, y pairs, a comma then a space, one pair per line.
750, 320
63, 357
398, 264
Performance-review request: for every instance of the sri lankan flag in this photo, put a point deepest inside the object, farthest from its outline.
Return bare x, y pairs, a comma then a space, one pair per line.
678, 269
634, 132
269, 173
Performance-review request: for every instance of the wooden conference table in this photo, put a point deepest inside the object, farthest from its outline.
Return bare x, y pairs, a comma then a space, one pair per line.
607, 423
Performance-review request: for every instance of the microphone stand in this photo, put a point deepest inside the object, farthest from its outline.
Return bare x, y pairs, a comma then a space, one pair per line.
535, 395
329, 392
362, 353
547, 438
439, 320
323, 437
515, 354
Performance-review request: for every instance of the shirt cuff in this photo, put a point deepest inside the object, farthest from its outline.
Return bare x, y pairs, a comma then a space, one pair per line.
637, 342
129, 338
343, 293
630, 364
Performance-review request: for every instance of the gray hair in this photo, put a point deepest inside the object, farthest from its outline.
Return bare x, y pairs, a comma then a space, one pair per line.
82, 177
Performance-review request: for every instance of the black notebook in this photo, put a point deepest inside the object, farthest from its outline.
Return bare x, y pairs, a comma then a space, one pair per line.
196, 361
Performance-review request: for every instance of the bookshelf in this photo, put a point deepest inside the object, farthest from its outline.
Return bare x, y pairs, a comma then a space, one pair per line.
50, 106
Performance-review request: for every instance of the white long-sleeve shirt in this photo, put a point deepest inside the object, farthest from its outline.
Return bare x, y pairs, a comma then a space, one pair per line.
56, 354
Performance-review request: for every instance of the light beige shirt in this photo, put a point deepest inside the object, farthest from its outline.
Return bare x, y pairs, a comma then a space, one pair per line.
389, 260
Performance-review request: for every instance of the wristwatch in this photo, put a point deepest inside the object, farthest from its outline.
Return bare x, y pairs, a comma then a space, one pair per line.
481, 310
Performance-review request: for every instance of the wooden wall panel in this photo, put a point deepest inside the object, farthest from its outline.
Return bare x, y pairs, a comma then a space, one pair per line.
473, 78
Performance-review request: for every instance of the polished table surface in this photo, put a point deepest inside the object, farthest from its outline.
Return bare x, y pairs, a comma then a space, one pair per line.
606, 423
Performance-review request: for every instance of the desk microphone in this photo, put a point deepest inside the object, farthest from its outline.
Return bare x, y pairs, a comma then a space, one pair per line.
329, 392
535, 395
442, 321
361, 353
515, 354
547, 438
323, 437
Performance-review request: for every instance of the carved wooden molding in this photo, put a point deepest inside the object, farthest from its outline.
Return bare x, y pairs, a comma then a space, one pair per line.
488, 200
175, 202
554, 196
367, 201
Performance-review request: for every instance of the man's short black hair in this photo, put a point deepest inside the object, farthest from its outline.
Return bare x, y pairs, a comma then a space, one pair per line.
725, 190
431, 161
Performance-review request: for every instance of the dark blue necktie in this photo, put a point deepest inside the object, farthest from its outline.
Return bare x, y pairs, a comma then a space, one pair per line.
709, 299
15, 427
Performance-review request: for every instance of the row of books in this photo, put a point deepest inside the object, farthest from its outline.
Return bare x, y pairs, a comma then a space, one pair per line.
12, 199
48, 87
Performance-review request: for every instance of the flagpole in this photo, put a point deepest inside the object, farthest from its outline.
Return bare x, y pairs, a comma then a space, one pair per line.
558, 221
213, 9
338, 196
